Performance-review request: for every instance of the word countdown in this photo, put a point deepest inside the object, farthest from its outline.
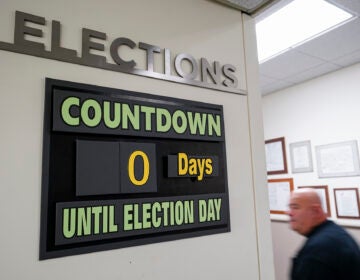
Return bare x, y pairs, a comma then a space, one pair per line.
123, 169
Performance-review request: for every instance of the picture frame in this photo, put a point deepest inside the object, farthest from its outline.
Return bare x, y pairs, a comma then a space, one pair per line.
338, 159
279, 194
301, 157
324, 197
347, 203
276, 156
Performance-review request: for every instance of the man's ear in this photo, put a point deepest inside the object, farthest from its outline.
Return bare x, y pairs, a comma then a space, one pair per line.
316, 209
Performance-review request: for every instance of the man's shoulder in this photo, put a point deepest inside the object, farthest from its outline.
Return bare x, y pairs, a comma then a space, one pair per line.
331, 239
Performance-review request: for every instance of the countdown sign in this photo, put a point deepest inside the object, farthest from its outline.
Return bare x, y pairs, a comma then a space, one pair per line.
123, 169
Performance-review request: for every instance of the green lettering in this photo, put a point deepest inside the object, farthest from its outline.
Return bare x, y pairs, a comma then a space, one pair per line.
189, 211
84, 221
137, 223
179, 115
148, 112
197, 122
91, 113
65, 111
211, 210
105, 220
165, 205
112, 227
115, 121
69, 223
96, 212
130, 116
214, 125
202, 210
163, 120
146, 215
156, 208
179, 212
128, 217
217, 203
172, 214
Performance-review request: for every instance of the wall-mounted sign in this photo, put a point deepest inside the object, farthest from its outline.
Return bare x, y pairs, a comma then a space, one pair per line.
32, 34
122, 169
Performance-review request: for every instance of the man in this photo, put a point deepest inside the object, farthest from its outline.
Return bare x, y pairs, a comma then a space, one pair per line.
329, 252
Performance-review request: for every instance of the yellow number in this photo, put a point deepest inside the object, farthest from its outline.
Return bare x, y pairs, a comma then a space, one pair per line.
131, 168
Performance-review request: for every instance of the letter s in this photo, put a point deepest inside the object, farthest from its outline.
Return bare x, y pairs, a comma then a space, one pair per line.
228, 71
209, 168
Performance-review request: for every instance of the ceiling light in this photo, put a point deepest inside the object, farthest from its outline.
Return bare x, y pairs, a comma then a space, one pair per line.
294, 24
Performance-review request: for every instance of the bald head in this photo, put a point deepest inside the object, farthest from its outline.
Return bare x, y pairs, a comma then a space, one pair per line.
305, 210
309, 196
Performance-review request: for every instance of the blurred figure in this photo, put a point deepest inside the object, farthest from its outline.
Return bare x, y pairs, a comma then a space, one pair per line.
329, 252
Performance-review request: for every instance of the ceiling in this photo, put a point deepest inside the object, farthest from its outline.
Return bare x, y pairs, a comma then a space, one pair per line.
250, 7
329, 52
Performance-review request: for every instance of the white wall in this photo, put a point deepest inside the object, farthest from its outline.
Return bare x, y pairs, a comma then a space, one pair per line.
324, 110
200, 28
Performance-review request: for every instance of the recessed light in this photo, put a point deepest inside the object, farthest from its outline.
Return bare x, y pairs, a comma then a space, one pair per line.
296, 23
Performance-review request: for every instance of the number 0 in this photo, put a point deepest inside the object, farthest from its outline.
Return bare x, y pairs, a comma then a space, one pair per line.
131, 168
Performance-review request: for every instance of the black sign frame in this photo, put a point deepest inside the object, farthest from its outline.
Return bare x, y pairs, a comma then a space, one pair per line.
61, 157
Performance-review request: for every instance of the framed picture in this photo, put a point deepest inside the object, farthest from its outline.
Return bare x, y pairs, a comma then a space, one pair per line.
324, 197
301, 158
279, 194
347, 203
338, 160
275, 156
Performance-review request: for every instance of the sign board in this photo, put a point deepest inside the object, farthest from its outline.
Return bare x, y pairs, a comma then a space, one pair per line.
122, 168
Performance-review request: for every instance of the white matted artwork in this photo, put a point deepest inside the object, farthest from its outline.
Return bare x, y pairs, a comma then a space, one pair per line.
301, 157
323, 193
347, 203
275, 156
279, 194
338, 159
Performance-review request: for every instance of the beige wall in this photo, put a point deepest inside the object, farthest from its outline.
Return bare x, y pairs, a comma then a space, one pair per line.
200, 28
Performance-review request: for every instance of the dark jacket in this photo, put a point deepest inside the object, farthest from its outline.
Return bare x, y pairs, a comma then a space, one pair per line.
329, 253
